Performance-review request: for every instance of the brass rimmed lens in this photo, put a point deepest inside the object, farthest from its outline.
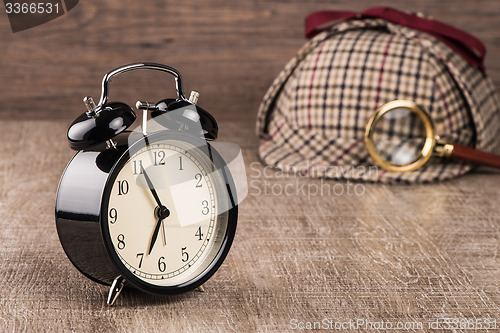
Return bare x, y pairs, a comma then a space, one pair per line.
400, 136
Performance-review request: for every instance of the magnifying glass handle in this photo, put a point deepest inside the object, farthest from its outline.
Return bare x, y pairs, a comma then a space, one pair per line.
475, 156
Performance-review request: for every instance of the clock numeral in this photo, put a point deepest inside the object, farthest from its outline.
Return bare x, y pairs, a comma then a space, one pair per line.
113, 215
142, 256
199, 234
205, 210
185, 255
122, 187
180, 163
159, 158
138, 167
162, 266
121, 241
198, 177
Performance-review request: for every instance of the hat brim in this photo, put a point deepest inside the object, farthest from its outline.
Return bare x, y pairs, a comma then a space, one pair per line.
351, 161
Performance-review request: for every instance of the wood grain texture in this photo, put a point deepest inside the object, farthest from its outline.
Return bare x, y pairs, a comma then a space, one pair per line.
228, 50
381, 253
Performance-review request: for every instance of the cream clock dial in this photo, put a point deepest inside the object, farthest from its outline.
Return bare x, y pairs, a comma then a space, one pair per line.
183, 180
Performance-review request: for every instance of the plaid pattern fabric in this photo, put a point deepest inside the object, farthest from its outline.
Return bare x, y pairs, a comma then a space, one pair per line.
312, 118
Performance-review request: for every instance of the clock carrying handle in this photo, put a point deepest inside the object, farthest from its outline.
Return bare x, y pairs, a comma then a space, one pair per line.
136, 66
83, 133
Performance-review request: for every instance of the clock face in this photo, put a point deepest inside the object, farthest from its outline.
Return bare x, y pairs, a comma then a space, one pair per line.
166, 221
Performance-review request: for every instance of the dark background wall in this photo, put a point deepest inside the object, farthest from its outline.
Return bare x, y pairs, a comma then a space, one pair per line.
229, 51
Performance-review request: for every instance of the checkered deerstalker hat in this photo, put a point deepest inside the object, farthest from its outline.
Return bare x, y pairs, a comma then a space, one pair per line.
312, 119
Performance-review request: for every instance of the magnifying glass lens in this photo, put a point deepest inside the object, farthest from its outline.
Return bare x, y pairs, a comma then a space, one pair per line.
399, 136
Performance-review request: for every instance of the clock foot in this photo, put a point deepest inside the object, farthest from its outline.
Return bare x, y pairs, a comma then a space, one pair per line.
201, 289
115, 289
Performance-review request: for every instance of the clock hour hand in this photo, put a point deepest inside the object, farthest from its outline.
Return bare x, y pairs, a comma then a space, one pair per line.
151, 188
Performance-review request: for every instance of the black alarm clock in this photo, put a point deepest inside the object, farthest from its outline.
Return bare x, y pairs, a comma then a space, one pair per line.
155, 211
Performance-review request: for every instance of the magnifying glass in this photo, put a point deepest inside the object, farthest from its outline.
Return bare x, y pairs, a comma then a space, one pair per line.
400, 137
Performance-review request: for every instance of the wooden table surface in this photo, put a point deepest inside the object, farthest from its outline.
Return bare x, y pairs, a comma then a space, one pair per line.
410, 254
366, 254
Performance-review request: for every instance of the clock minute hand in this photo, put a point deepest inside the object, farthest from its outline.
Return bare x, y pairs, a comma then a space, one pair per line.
155, 235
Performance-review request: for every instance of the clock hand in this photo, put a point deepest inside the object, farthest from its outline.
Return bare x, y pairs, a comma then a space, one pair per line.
162, 213
155, 235
164, 237
151, 188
